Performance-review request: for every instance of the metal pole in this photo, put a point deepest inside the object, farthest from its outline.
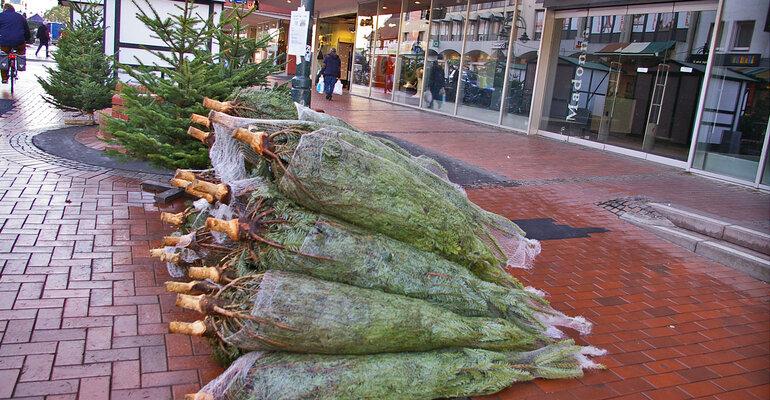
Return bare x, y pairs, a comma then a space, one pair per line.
301, 83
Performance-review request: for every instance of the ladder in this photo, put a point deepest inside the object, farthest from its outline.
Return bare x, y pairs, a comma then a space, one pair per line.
656, 106
613, 85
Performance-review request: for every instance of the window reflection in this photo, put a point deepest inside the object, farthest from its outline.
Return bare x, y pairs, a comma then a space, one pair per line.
362, 57
733, 128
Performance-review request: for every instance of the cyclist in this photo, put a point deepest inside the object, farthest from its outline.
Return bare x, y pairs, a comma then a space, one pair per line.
14, 34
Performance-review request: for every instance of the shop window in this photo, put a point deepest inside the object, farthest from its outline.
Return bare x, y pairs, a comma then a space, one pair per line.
744, 30
569, 28
720, 44
539, 18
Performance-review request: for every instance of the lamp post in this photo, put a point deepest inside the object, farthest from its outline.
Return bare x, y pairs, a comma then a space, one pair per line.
301, 83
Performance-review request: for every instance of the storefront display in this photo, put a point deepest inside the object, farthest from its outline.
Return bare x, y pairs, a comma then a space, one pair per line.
646, 78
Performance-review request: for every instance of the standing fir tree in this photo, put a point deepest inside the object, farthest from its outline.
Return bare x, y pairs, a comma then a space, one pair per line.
159, 105
83, 79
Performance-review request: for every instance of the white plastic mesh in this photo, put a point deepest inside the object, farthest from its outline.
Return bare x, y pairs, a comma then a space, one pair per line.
243, 187
521, 252
237, 371
554, 318
226, 156
225, 212
587, 363
202, 205
536, 292
174, 270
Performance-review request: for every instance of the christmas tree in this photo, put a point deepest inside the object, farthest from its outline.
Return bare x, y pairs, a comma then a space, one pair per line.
83, 78
159, 105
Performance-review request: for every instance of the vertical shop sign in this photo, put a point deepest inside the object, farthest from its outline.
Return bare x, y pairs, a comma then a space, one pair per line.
298, 28
577, 81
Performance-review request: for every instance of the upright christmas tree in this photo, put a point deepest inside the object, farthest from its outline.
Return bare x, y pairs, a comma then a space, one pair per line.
83, 78
158, 107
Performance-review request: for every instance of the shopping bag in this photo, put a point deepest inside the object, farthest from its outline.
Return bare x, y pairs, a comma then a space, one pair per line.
338, 87
320, 87
427, 97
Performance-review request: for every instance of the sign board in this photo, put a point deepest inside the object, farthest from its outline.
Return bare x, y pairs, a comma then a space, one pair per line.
728, 59
500, 45
298, 29
246, 4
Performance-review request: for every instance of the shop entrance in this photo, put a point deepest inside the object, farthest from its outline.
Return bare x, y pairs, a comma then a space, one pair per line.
339, 33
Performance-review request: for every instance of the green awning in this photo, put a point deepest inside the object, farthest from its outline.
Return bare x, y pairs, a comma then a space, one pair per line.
636, 48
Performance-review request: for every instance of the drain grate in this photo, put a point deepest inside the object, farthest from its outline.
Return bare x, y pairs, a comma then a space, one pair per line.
637, 206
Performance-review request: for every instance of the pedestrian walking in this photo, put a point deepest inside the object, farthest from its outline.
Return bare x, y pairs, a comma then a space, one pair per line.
390, 69
44, 36
14, 34
331, 72
437, 81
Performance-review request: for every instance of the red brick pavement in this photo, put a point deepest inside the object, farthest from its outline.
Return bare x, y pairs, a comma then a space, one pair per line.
82, 313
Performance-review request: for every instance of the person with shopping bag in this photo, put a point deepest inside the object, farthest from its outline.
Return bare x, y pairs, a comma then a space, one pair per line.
331, 72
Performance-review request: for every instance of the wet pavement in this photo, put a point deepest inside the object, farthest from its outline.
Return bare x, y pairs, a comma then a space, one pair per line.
83, 313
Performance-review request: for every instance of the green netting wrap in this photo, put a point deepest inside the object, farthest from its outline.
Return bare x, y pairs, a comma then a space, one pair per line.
260, 103
287, 311
332, 176
394, 376
337, 251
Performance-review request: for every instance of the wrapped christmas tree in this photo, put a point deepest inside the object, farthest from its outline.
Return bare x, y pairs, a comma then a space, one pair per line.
361, 269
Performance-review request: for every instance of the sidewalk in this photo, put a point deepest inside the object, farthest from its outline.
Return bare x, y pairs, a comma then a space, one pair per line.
83, 313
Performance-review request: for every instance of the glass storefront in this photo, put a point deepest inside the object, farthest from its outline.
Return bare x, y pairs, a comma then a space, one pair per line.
483, 68
629, 80
633, 79
411, 52
386, 48
447, 29
364, 46
733, 126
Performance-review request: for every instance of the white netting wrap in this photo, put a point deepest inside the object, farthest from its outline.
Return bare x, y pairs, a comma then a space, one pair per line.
244, 187
226, 156
225, 212
536, 292
174, 270
554, 318
202, 205
587, 363
521, 252
237, 371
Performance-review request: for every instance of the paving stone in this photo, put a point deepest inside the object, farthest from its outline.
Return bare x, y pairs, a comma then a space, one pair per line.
83, 311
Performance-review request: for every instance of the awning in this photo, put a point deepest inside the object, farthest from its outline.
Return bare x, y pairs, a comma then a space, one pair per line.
762, 73
726, 72
637, 48
588, 65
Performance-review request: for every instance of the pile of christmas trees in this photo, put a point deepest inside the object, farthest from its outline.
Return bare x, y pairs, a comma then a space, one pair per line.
332, 264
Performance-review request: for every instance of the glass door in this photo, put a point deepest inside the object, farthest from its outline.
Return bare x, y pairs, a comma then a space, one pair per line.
733, 127
386, 48
411, 52
362, 54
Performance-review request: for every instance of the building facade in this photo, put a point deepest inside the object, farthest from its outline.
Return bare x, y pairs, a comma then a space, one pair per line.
683, 83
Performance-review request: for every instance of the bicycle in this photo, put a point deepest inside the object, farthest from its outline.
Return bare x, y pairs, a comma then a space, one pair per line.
13, 65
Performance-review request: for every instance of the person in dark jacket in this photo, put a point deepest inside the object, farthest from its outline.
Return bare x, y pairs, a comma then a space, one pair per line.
14, 33
437, 81
331, 72
44, 37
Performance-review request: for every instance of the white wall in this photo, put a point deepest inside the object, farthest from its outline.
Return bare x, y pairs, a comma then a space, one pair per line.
132, 33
